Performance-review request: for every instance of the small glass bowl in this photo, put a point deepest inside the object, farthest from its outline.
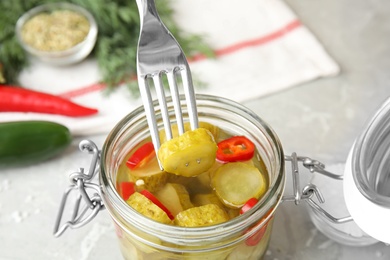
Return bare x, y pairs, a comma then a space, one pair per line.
63, 57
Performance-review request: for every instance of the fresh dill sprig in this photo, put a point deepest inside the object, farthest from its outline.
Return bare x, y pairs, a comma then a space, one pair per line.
116, 46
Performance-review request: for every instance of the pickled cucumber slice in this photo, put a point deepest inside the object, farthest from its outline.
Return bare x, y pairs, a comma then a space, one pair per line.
185, 181
147, 208
205, 178
202, 199
232, 213
189, 154
187, 127
175, 197
149, 176
206, 215
235, 183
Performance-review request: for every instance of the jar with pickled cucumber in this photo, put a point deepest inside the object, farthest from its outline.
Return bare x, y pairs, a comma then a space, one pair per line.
215, 197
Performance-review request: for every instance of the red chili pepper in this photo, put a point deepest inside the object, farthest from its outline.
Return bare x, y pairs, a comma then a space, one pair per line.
17, 99
236, 148
141, 156
158, 203
126, 189
248, 205
256, 237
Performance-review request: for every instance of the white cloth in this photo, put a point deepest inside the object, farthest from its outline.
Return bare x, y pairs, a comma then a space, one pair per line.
261, 47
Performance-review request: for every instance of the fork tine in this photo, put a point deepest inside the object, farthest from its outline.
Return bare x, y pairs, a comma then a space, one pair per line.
146, 97
190, 97
163, 104
175, 100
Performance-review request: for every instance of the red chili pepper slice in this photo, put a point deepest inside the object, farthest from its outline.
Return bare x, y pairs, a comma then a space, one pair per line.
236, 148
125, 189
141, 156
158, 203
256, 237
248, 205
17, 99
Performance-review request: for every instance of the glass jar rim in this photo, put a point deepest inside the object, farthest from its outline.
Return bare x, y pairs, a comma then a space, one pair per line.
198, 233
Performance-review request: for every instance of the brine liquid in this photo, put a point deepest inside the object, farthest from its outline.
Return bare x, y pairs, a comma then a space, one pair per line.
150, 177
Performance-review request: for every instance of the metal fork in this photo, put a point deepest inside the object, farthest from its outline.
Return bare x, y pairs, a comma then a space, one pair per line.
159, 53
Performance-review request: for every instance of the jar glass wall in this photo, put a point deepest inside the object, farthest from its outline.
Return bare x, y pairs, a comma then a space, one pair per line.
243, 237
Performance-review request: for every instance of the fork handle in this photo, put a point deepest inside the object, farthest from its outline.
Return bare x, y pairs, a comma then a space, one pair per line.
146, 7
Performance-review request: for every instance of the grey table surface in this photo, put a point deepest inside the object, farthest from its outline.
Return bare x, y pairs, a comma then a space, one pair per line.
320, 119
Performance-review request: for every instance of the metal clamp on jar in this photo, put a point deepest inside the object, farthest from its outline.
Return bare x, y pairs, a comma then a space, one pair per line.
366, 188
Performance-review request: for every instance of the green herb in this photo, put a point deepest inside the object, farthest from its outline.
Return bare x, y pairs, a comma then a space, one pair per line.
116, 47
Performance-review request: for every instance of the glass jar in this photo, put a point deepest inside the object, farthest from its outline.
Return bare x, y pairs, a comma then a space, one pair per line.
363, 191
244, 237
367, 176
364, 185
